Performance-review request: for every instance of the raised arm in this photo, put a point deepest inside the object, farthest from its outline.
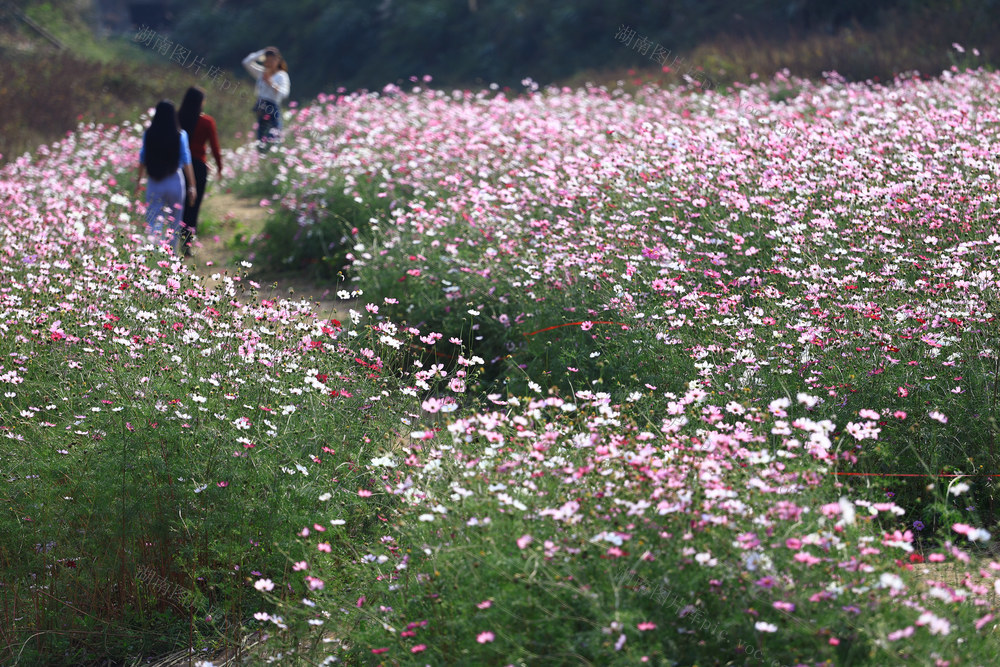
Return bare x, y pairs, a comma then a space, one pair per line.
252, 66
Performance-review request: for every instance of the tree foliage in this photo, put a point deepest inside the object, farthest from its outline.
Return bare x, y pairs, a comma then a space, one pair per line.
354, 44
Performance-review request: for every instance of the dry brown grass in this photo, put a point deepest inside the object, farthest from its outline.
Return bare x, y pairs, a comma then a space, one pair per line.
47, 93
920, 43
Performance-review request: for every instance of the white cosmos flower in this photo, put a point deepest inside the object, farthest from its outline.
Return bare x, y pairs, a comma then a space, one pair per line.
846, 511
893, 581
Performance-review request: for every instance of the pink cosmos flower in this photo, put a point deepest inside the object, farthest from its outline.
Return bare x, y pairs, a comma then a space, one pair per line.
972, 533
646, 626
807, 558
484, 637
830, 510
418, 648
524, 541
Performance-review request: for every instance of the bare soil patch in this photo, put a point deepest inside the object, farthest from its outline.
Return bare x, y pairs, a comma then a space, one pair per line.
213, 254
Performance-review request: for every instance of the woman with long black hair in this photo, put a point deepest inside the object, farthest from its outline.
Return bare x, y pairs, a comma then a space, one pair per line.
201, 130
165, 152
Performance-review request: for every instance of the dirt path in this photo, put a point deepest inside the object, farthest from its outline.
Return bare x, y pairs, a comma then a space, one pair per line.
213, 254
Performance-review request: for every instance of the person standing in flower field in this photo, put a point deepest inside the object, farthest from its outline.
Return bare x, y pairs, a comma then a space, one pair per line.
201, 130
273, 86
164, 155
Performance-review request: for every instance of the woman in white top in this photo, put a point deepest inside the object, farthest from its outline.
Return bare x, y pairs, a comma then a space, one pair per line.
273, 86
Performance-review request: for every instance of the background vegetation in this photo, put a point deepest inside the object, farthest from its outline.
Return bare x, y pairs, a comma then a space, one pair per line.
466, 43
48, 91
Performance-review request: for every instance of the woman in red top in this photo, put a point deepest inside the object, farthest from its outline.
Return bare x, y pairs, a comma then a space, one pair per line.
200, 128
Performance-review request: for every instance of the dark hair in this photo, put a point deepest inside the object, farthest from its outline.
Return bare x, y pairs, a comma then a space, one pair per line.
163, 142
273, 51
190, 109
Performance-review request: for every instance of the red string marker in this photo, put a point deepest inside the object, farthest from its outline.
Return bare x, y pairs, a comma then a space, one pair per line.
571, 324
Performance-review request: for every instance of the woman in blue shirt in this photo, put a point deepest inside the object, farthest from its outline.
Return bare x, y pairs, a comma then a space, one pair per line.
165, 153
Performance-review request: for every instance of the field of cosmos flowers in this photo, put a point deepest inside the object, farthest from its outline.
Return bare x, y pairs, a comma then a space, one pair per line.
622, 378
